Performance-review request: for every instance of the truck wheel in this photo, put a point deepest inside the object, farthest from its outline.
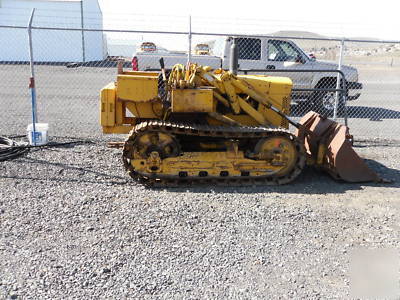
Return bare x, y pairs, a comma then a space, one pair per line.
324, 103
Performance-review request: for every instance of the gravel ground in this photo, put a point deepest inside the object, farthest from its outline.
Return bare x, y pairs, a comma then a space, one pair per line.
73, 225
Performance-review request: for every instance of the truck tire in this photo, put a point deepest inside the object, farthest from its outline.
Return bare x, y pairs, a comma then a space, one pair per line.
324, 102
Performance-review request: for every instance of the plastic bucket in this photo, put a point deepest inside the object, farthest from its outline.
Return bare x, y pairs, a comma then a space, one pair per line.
39, 137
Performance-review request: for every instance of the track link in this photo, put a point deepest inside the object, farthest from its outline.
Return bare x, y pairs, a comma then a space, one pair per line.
228, 132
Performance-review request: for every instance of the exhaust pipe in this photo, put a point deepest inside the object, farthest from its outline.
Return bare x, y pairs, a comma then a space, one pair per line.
233, 61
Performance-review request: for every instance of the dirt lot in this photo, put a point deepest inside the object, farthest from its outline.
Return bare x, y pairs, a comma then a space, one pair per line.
73, 225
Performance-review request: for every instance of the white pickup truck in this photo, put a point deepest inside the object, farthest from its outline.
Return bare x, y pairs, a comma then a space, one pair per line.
280, 55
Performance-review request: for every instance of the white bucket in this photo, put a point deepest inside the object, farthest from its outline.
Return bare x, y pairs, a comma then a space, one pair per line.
40, 136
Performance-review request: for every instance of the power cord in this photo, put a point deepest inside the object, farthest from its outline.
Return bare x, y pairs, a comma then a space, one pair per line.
10, 149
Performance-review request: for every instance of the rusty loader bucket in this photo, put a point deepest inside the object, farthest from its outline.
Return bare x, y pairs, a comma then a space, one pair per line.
329, 147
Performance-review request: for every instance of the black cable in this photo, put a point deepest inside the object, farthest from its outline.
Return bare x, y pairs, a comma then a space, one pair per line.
15, 136
10, 149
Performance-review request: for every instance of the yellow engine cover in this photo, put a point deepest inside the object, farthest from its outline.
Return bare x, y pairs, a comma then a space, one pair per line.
193, 100
137, 87
277, 90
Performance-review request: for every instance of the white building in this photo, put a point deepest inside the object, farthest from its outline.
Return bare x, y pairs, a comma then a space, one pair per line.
52, 45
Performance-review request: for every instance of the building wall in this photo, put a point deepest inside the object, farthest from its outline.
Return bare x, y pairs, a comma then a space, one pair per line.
51, 45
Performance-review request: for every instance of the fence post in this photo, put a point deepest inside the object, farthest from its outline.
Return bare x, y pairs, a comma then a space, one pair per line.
32, 80
190, 41
338, 79
83, 34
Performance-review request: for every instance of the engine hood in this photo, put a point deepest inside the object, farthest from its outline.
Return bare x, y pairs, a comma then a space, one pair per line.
350, 72
330, 65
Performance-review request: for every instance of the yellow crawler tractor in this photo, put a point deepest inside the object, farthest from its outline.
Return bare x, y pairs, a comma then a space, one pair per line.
215, 127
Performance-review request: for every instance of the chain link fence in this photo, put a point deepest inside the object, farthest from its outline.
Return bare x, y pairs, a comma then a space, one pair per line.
69, 75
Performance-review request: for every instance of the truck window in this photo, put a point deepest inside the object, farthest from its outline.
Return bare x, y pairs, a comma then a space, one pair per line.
249, 48
282, 51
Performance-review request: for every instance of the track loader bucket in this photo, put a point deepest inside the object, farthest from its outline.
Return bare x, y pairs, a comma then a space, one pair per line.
329, 146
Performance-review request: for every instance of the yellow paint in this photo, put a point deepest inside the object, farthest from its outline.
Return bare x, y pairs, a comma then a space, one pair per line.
113, 109
107, 105
246, 96
272, 90
279, 150
245, 120
137, 88
227, 82
211, 162
193, 100
125, 129
140, 73
148, 110
252, 112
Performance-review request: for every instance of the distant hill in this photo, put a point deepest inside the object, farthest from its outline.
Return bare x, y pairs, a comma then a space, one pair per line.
307, 45
300, 34
308, 34
311, 45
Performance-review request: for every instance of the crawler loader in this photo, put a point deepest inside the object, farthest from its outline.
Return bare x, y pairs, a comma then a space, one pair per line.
199, 126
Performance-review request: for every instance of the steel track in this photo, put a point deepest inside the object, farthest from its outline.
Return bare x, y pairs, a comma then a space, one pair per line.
228, 132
